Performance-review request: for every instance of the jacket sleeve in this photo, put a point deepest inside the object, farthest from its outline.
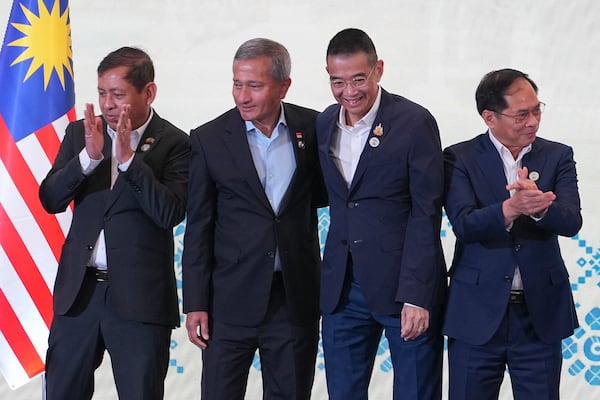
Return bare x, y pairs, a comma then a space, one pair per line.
198, 253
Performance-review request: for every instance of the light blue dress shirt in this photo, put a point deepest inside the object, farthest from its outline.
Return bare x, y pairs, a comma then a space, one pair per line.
275, 163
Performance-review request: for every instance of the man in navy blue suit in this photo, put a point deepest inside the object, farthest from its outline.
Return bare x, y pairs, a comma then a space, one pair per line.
509, 195
383, 267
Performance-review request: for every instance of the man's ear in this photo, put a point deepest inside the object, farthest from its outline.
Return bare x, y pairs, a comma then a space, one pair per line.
489, 117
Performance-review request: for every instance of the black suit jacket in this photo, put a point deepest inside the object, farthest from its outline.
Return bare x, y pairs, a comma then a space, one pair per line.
232, 232
137, 215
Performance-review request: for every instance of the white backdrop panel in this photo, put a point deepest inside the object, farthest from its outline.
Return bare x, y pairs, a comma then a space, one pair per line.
435, 52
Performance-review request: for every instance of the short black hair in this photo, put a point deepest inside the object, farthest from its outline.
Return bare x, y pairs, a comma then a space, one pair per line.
493, 86
140, 70
351, 41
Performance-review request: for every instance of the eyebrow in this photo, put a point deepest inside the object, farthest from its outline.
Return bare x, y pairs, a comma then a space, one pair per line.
359, 75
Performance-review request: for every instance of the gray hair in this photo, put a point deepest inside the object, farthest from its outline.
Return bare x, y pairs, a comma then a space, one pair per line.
281, 64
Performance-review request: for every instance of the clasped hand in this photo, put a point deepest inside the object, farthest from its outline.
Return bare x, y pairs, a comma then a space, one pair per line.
527, 199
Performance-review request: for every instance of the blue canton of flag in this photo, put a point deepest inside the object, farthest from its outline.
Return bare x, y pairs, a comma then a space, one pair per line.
36, 103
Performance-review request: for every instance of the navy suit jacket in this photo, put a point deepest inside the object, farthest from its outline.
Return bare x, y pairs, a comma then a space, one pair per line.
137, 215
389, 218
232, 232
486, 254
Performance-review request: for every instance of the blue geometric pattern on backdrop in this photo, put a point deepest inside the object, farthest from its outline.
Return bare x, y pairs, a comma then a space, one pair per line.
581, 351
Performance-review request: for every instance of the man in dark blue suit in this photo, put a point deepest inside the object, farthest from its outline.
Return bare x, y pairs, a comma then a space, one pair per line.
509, 195
383, 266
126, 176
251, 256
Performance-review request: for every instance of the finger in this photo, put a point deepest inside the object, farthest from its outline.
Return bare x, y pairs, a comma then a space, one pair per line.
194, 337
124, 123
522, 173
204, 332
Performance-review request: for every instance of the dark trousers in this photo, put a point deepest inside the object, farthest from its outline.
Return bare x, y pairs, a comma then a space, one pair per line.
287, 355
139, 352
476, 372
351, 337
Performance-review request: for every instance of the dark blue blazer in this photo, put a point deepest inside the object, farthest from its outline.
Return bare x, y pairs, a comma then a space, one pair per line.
232, 232
389, 218
486, 254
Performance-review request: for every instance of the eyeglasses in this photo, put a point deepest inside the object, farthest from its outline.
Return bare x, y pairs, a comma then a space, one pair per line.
357, 82
522, 116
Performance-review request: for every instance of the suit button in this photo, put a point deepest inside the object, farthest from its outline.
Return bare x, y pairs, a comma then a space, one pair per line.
517, 247
507, 278
90, 247
271, 254
352, 204
357, 241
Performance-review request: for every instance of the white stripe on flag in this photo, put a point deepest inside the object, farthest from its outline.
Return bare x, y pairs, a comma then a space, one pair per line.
10, 366
38, 162
23, 306
28, 229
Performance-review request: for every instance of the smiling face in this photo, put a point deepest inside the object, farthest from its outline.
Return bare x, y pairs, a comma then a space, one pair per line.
257, 94
114, 91
357, 101
521, 100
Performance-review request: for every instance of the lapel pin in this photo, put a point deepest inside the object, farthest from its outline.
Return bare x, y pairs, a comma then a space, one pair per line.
373, 142
300, 140
534, 175
378, 130
147, 143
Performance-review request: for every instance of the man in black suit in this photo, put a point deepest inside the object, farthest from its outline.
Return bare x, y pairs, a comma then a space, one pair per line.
126, 174
251, 253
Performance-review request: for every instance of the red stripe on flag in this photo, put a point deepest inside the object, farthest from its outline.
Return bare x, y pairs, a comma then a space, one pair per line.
18, 340
49, 141
25, 267
71, 115
28, 188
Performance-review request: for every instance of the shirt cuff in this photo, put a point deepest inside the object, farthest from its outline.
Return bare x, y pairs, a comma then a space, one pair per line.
415, 306
125, 166
88, 165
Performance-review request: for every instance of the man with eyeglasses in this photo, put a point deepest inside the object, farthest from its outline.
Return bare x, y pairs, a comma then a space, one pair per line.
383, 268
509, 195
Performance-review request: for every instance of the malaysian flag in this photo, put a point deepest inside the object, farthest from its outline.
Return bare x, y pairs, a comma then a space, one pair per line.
36, 103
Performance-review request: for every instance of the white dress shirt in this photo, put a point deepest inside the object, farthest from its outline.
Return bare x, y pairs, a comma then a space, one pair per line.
348, 142
511, 167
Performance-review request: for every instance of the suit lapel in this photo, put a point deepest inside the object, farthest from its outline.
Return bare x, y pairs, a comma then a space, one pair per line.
298, 139
236, 140
533, 162
338, 181
371, 148
491, 167
146, 145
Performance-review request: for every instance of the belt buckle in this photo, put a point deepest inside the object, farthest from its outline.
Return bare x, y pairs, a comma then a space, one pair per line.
516, 297
100, 275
